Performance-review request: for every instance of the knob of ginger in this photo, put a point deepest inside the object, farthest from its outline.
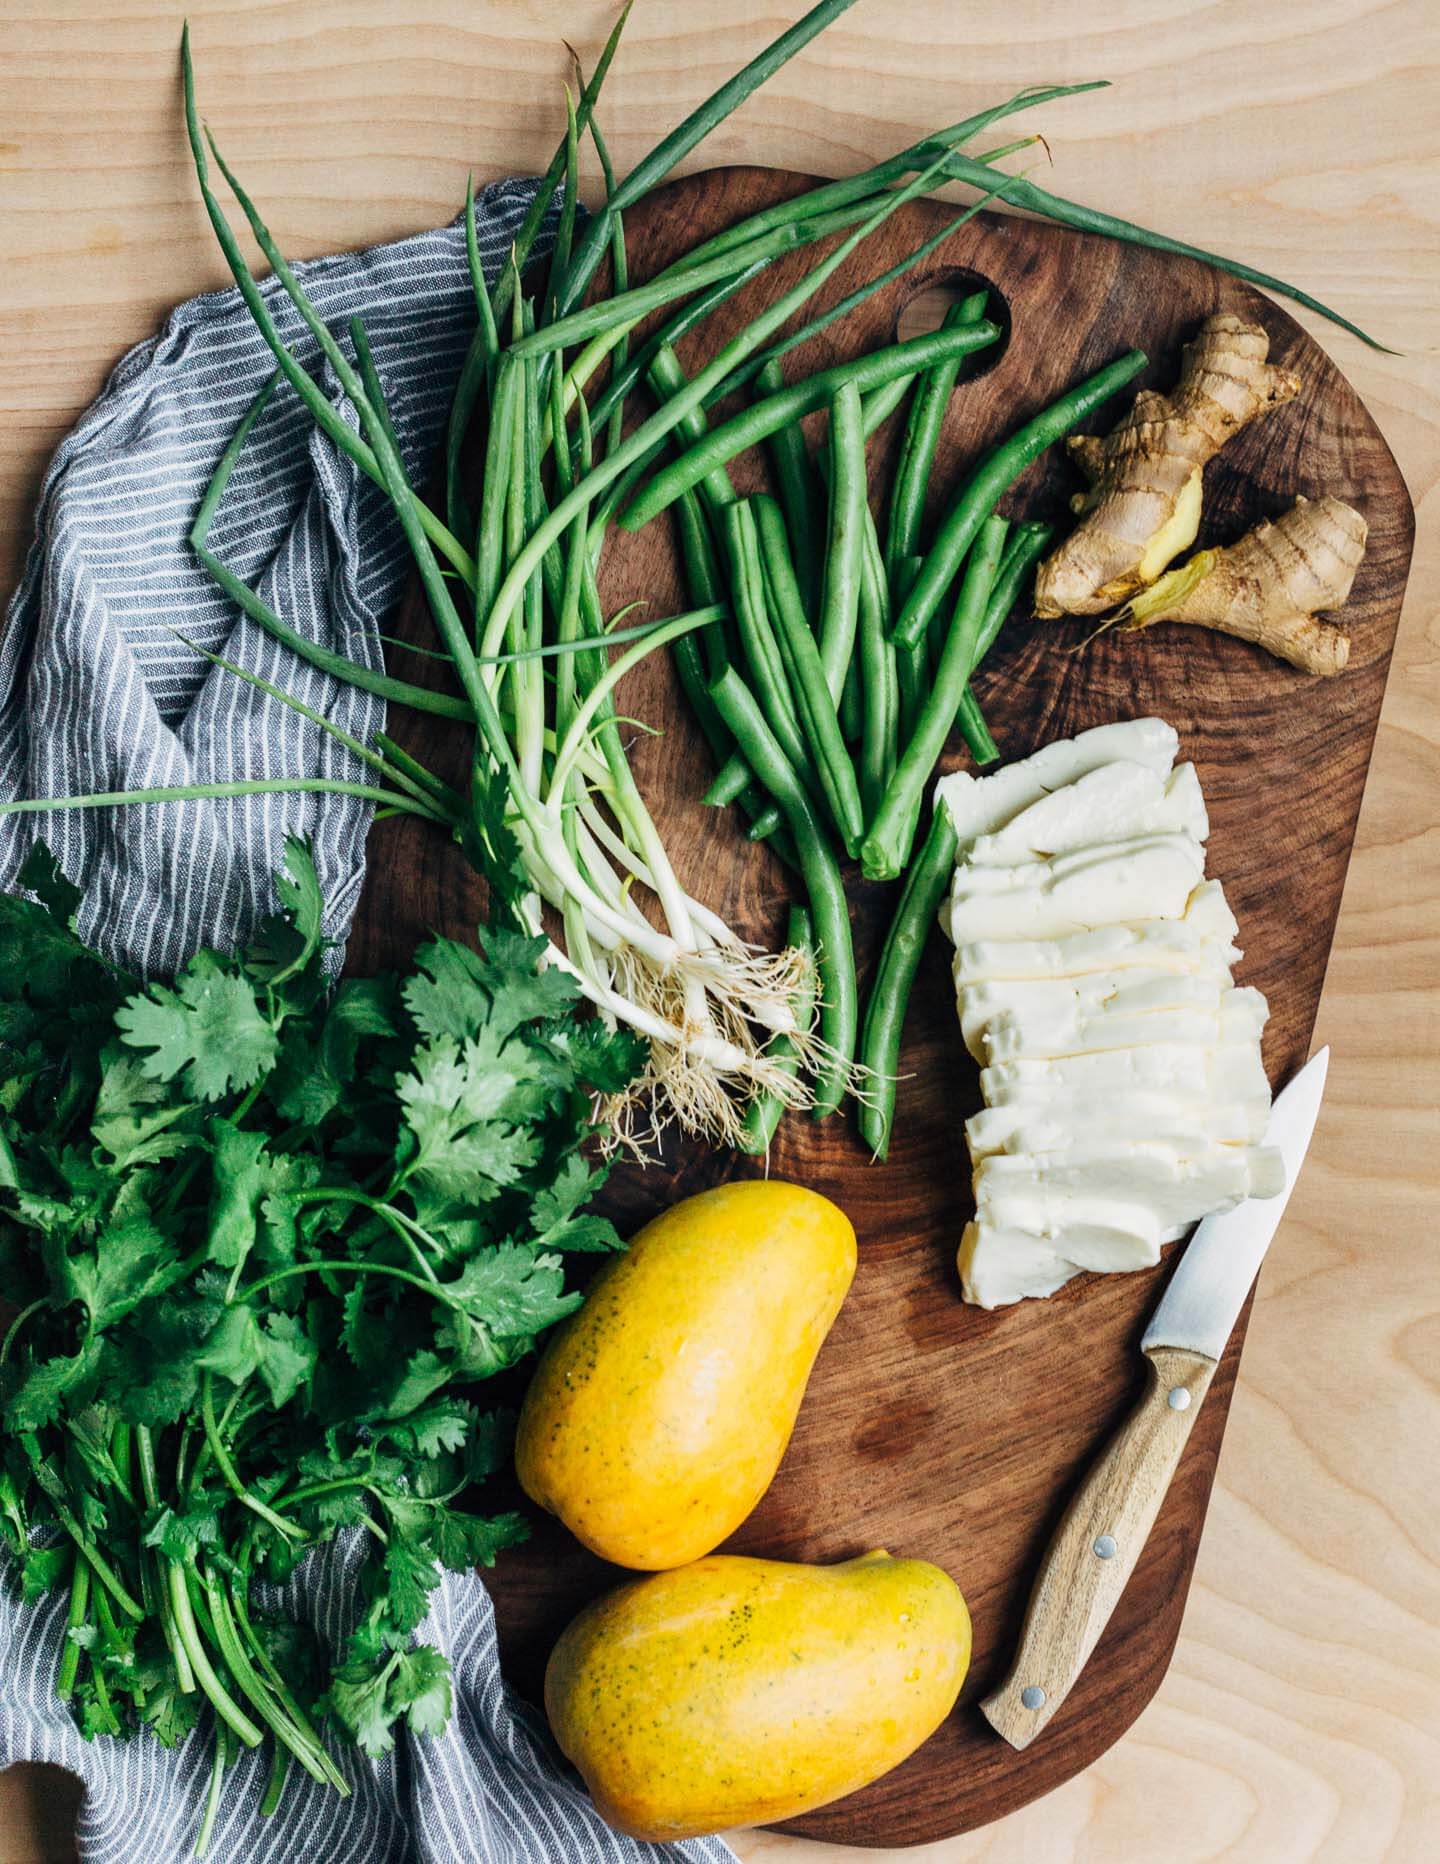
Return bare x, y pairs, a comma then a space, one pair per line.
1143, 505
1271, 586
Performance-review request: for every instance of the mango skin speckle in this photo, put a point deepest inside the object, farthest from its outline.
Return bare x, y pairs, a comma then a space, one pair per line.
660, 1411
737, 1691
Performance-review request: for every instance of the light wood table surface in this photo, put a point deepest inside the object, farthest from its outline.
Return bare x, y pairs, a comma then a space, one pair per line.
1301, 1717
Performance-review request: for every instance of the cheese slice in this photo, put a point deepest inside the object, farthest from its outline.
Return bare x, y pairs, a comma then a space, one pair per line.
1145, 1187
1116, 802
1049, 1034
1026, 1126
1201, 937
1229, 1071
1001, 1266
1119, 993
1150, 877
981, 805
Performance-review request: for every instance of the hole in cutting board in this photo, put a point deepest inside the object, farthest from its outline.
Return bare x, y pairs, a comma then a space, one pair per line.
931, 301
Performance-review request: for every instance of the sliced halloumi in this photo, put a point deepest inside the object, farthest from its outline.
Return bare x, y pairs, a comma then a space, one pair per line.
1025, 1126
1151, 877
981, 805
1120, 993
1116, 802
1057, 1194
998, 1267
1201, 937
1230, 1071
1022, 1035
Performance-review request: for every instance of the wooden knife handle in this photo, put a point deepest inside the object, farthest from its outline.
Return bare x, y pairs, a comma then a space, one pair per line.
1097, 1544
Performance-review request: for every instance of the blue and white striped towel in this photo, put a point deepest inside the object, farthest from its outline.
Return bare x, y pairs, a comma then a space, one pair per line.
98, 692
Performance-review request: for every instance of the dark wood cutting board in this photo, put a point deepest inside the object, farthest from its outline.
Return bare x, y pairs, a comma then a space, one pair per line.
931, 1428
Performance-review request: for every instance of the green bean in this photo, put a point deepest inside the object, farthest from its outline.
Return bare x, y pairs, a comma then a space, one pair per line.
924, 889
762, 1116
840, 595
1000, 467
852, 700
702, 575
806, 675
922, 435
887, 845
799, 491
839, 1007
757, 637
667, 378
912, 668
1022, 549
762, 418
881, 403
878, 683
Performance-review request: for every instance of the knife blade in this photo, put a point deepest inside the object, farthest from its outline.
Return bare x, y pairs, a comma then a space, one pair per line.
1200, 1306
1104, 1529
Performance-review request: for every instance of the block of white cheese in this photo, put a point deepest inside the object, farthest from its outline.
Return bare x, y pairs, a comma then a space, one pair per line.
1125, 1094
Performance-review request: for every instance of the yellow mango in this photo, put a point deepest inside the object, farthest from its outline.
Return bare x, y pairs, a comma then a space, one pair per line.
659, 1412
738, 1691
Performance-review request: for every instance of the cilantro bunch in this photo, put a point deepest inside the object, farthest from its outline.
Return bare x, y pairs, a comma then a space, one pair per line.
261, 1235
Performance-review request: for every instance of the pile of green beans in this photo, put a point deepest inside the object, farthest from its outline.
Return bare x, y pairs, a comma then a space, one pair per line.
829, 701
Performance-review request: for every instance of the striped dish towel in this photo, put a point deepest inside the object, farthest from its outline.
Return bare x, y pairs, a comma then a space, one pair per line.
101, 689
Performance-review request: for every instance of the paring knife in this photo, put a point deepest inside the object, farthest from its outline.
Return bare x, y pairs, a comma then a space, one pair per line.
1098, 1542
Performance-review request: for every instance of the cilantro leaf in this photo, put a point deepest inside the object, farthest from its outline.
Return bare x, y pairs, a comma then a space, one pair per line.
421, 1688
513, 1291
210, 1027
464, 1541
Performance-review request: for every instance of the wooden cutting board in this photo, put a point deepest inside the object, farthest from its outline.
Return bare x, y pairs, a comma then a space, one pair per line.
931, 1428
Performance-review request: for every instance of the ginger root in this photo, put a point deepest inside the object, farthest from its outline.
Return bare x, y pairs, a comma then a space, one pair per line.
1269, 587
1144, 500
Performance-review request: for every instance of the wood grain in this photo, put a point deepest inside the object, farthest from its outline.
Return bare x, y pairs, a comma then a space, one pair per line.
1301, 1717
879, 1456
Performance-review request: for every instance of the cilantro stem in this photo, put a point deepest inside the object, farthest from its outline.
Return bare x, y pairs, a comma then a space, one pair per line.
102, 1697
150, 1489
301, 1740
352, 1268
406, 1228
100, 1566
275, 1785
277, 1682
223, 1703
74, 1618
228, 1470
212, 1796
19, 1322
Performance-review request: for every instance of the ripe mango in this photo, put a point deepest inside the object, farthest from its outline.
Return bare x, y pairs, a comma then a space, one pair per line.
660, 1411
738, 1691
